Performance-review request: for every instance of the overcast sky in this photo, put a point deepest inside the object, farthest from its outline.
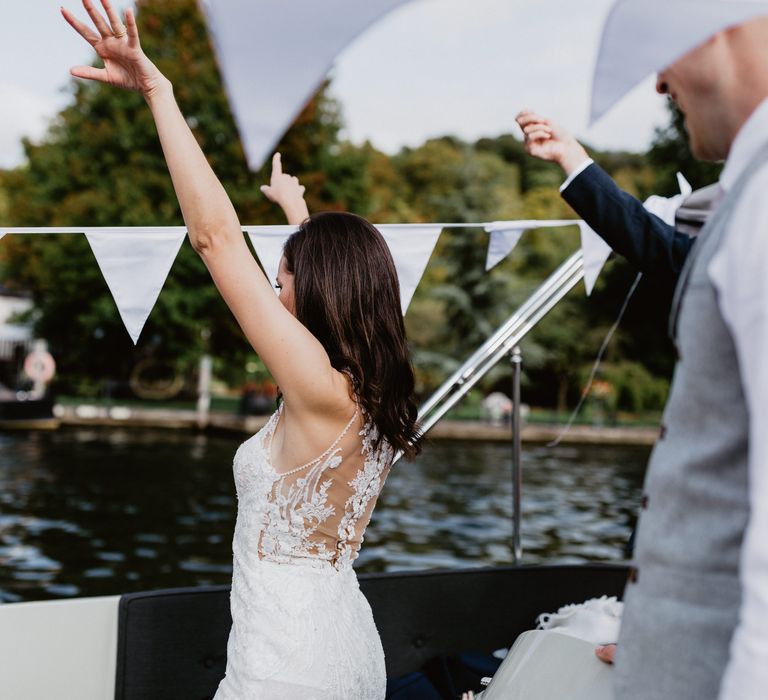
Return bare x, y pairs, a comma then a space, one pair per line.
433, 67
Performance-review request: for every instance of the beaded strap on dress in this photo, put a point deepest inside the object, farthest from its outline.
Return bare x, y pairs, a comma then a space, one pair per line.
271, 434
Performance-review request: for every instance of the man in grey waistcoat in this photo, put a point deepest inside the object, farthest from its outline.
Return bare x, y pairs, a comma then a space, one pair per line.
695, 623
696, 618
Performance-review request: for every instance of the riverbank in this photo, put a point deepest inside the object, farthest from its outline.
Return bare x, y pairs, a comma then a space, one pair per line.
471, 430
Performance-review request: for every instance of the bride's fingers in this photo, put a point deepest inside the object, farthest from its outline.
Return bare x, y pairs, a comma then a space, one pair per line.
113, 17
277, 165
98, 20
133, 30
82, 29
89, 73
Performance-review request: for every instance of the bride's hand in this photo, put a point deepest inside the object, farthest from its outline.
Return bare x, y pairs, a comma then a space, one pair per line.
125, 64
286, 191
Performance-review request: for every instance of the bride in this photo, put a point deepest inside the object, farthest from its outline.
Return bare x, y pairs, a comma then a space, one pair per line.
307, 483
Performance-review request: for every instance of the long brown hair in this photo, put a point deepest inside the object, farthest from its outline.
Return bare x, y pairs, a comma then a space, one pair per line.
348, 296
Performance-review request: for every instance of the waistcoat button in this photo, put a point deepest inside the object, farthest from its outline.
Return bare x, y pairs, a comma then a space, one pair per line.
632, 576
644, 501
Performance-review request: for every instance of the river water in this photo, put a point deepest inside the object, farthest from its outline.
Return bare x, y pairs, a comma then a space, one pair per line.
107, 511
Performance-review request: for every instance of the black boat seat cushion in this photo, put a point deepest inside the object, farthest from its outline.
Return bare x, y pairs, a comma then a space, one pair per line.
172, 644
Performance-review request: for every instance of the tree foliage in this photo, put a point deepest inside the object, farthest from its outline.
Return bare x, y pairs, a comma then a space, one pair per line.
670, 153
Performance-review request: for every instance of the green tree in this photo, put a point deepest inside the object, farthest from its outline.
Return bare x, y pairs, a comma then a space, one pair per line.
670, 153
448, 180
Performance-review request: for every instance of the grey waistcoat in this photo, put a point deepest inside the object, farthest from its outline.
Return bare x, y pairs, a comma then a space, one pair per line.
683, 605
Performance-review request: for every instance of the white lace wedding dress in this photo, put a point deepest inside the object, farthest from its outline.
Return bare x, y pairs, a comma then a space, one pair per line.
301, 628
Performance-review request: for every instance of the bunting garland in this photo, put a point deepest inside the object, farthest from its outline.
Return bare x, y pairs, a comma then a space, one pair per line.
410, 252
505, 235
136, 261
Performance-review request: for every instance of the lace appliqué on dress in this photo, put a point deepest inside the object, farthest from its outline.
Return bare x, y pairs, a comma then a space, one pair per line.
366, 486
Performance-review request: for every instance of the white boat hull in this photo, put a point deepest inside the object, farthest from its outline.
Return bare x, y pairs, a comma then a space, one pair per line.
59, 649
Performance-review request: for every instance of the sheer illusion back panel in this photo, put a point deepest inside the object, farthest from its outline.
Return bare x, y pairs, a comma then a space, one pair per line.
318, 511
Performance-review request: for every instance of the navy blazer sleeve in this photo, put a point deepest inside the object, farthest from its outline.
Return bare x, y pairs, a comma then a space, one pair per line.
646, 241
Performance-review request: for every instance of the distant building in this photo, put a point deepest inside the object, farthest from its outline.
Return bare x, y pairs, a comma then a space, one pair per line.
15, 338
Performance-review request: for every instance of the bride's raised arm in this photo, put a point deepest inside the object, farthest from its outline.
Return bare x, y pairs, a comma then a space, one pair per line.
295, 357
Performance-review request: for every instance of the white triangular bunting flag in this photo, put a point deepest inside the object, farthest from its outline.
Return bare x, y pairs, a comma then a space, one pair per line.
135, 264
501, 243
684, 185
641, 37
666, 207
268, 242
411, 247
595, 252
274, 55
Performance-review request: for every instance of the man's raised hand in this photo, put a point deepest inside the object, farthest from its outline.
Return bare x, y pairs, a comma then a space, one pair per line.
545, 140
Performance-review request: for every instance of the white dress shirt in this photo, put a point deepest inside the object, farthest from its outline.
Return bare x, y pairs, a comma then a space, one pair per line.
576, 172
739, 272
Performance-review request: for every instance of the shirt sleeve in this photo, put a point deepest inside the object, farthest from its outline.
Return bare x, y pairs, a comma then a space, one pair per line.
739, 272
575, 173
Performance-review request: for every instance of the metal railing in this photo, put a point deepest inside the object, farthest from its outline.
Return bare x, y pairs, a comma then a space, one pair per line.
505, 341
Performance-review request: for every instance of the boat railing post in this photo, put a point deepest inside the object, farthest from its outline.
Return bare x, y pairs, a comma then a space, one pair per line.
204, 391
516, 360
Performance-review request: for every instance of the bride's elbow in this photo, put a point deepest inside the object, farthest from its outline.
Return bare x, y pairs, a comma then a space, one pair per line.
207, 238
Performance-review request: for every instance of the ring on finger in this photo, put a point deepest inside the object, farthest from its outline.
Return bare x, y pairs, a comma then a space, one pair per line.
120, 31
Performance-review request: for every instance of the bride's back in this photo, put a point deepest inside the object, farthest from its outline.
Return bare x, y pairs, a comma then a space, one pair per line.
312, 514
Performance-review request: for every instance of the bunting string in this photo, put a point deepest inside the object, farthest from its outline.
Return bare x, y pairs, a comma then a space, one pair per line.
528, 224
